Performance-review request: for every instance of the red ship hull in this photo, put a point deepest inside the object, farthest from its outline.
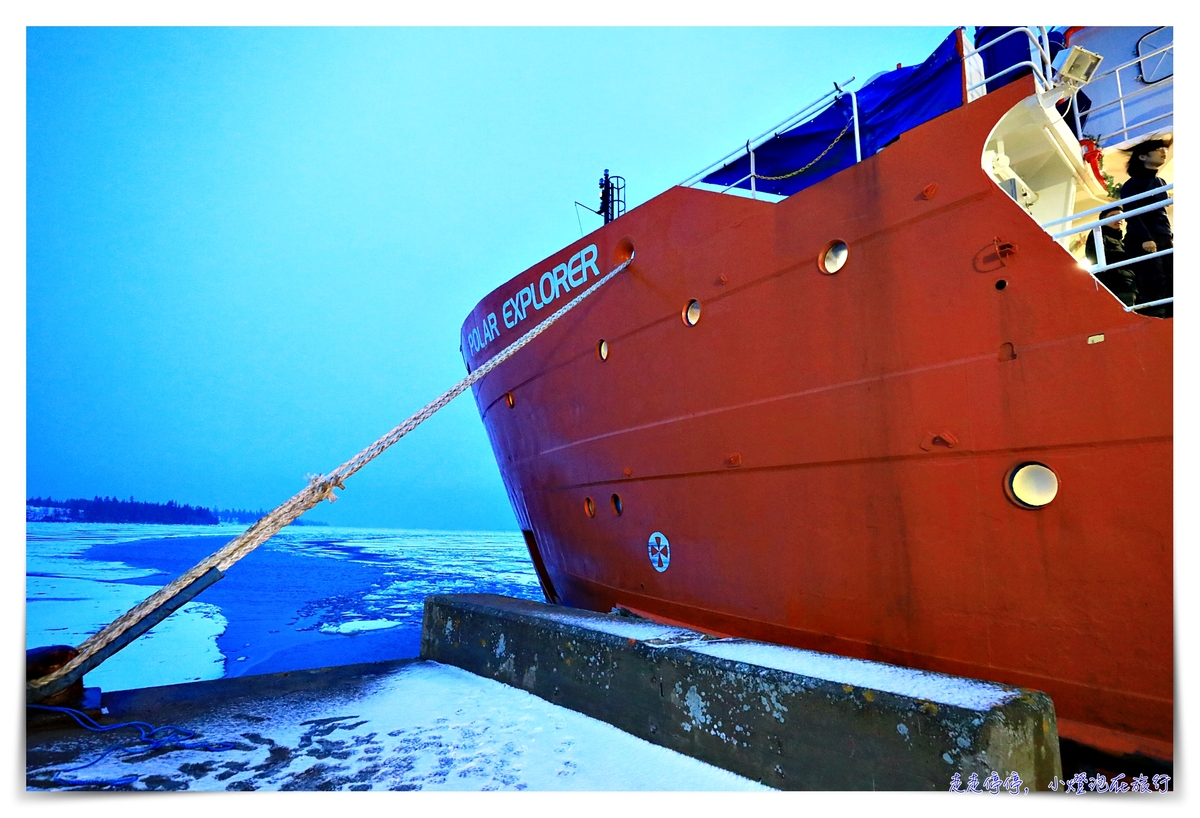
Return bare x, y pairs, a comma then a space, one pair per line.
827, 453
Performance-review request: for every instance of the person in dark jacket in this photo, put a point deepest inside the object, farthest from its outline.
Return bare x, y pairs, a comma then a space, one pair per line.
1120, 281
1150, 232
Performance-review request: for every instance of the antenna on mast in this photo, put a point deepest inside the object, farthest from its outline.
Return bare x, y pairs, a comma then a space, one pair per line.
612, 198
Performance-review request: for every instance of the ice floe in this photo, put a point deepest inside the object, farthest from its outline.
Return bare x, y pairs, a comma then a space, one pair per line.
359, 625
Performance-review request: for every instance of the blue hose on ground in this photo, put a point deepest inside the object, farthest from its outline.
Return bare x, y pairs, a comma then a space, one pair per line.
176, 738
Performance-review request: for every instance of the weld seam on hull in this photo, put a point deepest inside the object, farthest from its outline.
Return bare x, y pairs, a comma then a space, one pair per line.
862, 461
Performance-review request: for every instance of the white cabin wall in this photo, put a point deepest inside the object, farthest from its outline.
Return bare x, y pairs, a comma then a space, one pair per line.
1118, 45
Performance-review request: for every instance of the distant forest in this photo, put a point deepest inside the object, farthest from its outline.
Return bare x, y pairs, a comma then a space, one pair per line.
112, 510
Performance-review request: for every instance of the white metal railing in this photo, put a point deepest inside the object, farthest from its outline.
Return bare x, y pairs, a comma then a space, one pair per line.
1140, 123
1094, 227
857, 141
1137, 197
1042, 82
772, 131
1149, 304
1043, 74
1122, 98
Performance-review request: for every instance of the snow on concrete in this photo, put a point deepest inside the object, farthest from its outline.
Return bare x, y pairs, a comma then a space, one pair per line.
935, 687
641, 629
423, 727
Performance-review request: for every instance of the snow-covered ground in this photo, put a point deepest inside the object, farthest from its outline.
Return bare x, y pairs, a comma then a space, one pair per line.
424, 727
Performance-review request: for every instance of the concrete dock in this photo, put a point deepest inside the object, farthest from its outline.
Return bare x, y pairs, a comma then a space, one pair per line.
511, 694
789, 718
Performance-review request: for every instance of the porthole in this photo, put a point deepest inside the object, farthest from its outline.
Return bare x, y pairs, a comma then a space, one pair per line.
602, 349
589, 506
1001, 284
1031, 485
617, 506
509, 400
834, 257
691, 313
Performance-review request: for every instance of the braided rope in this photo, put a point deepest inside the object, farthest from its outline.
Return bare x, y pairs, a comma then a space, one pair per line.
319, 488
810, 164
165, 738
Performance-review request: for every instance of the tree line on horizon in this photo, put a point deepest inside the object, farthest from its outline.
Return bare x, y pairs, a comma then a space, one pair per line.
113, 510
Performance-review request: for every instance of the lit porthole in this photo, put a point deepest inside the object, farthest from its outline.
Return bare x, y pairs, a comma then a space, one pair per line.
509, 400
602, 350
617, 506
834, 257
589, 507
1032, 485
691, 313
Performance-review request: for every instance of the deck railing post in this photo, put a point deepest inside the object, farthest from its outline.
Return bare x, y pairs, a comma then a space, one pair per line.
1047, 65
1121, 102
857, 143
753, 179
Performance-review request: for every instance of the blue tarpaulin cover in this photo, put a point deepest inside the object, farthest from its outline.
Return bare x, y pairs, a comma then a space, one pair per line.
888, 105
1010, 51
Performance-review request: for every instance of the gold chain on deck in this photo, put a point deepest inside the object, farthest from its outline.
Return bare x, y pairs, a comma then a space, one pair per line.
810, 164
318, 489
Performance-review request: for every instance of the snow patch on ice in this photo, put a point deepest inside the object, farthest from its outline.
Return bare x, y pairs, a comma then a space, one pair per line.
358, 626
181, 648
971, 694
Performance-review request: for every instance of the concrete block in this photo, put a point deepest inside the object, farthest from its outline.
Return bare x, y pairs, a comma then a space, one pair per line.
788, 718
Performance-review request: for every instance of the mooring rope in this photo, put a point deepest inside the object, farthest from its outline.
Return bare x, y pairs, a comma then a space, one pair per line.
167, 737
103, 644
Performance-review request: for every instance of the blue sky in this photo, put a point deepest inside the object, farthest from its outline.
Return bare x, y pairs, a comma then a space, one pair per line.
250, 250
